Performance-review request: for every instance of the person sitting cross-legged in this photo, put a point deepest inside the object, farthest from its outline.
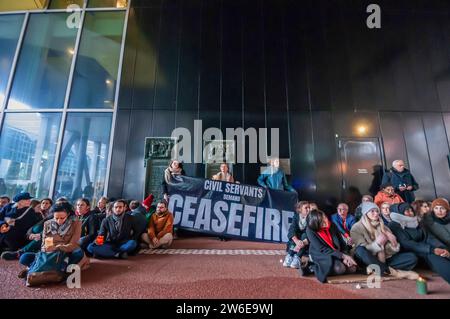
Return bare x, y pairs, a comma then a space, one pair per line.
117, 235
344, 222
160, 228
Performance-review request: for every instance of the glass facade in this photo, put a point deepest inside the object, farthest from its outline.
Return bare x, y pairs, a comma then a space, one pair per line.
56, 119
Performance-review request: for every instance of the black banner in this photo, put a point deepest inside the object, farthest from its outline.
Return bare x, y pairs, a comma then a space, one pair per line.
233, 210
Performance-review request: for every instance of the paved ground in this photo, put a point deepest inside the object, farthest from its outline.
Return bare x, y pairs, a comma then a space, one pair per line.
193, 274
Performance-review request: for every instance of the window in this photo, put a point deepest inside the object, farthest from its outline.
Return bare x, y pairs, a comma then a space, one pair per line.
27, 152
8, 5
64, 4
83, 159
44, 63
98, 60
10, 27
107, 3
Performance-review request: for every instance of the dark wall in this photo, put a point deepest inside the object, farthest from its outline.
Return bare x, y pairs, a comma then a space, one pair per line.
310, 68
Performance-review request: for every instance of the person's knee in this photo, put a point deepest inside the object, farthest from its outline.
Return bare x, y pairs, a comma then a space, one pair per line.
91, 248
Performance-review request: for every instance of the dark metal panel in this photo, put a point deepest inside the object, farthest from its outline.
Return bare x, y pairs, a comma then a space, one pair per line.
418, 158
439, 150
140, 128
393, 142
446, 117
119, 154
356, 124
163, 123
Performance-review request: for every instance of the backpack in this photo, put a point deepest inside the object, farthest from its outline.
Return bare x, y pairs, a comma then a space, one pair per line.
46, 268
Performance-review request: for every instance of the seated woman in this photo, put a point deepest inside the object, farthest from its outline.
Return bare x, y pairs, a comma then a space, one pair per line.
327, 249
224, 175
117, 236
438, 222
376, 245
421, 208
297, 247
174, 171
413, 238
385, 209
60, 233
387, 195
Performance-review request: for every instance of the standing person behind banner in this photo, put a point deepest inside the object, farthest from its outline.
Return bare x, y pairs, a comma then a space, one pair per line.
344, 222
160, 228
402, 180
327, 249
273, 177
173, 172
224, 175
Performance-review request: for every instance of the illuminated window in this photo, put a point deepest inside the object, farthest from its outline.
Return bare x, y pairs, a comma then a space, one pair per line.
8, 5
64, 4
107, 3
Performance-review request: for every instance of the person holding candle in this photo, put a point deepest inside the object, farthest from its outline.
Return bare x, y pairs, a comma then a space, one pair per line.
327, 248
438, 221
376, 245
117, 235
413, 238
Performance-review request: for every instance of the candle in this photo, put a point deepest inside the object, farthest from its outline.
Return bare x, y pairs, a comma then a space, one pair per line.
421, 286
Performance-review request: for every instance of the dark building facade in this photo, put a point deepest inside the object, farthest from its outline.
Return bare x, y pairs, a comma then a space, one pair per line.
339, 92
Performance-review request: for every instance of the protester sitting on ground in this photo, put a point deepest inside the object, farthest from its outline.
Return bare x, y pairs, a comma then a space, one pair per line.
89, 222
139, 217
34, 233
117, 236
387, 195
413, 238
273, 177
376, 245
22, 202
16, 224
385, 210
297, 248
327, 249
438, 221
100, 209
358, 213
421, 208
224, 175
62, 233
160, 228
173, 172
4, 200
109, 209
344, 222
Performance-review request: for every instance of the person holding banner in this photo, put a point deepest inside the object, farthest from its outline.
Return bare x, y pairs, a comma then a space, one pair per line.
273, 177
173, 172
327, 249
224, 175
297, 249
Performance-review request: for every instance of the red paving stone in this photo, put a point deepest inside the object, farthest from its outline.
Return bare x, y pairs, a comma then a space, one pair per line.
204, 276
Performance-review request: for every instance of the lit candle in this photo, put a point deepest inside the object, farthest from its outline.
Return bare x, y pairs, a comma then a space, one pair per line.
421, 286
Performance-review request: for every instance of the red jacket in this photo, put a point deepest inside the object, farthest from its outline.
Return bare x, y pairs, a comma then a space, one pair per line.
383, 197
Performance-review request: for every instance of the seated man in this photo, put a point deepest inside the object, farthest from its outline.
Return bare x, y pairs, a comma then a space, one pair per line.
387, 195
4, 200
160, 228
117, 235
344, 222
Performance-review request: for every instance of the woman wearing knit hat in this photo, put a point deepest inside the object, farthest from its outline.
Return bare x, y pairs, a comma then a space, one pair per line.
438, 222
413, 238
376, 245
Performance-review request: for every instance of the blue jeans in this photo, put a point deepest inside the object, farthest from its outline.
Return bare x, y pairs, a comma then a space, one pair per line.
109, 250
74, 257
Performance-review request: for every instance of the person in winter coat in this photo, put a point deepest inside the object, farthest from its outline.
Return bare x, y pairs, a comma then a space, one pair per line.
117, 236
60, 233
402, 180
344, 222
358, 213
438, 221
273, 177
421, 208
413, 238
173, 172
387, 195
100, 209
89, 222
160, 228
139, 217
376, 245
297, 247
327, 249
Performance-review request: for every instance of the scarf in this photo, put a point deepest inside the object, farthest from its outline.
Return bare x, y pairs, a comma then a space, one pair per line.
301, 222
375, 228
61, 230
405, 221
170, 173
441, 221
118, 220
325, 234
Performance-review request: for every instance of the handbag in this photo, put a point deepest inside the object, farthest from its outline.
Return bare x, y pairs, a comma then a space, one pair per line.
48, 267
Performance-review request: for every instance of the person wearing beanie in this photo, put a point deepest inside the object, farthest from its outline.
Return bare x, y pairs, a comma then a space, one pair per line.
438, 221
387, 195
402, 180
365, 198
376, 245
413, 238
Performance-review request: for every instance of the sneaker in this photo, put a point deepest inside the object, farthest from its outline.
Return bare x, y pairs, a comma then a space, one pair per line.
295, 262
10, 255
287, 260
